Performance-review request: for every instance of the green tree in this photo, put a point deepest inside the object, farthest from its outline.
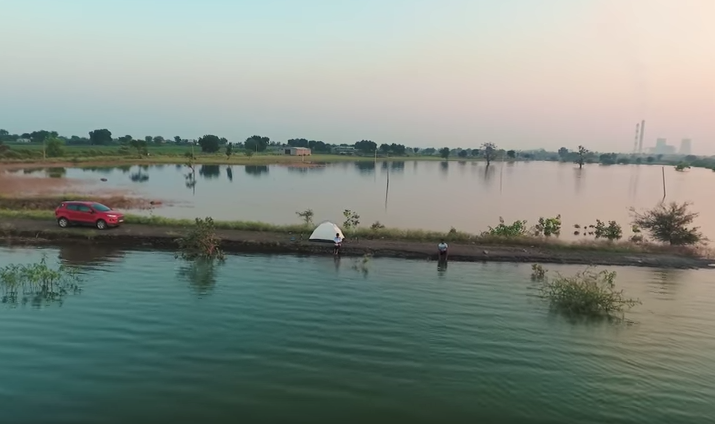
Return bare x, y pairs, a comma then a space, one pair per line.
159, 140
140, 146
209, 143
229, 150
489, 151
581, 159
100, 137
444, 152
563, 153
384, 148
257, 143
462, 154
148, 139
650, 159
511, 154
669, 223
366, 146
125, 140
177, 139
54, 147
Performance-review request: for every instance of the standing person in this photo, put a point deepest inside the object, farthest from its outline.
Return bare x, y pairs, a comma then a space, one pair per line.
338, 244
443, 250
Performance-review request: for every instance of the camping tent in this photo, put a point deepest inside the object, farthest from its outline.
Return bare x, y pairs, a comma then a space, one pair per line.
325, 232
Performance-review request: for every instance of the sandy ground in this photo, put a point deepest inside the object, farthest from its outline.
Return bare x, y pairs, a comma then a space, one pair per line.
18, 231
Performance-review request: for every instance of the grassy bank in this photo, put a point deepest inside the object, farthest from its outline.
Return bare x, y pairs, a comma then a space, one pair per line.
402, 235
79, 155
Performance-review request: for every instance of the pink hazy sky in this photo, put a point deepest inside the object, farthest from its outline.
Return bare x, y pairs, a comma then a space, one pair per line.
520, 73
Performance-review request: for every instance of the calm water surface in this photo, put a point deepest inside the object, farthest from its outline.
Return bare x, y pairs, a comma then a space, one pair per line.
280, 339
428, 195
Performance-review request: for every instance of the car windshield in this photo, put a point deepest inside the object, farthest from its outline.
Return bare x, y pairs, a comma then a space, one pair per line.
100, 207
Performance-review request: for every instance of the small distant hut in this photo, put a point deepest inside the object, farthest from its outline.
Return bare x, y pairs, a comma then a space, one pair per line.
297, 151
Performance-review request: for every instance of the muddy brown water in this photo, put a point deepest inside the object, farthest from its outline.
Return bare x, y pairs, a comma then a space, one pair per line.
428, 195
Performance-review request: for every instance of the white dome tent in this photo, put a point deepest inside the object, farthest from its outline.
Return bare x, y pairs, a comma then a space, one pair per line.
325, 233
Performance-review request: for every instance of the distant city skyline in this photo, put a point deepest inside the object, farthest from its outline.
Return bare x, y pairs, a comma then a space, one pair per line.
425, 73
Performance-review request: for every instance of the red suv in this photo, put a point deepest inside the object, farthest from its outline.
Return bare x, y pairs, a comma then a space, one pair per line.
87, 213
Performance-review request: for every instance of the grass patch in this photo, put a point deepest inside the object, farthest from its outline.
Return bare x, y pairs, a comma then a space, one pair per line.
396, 234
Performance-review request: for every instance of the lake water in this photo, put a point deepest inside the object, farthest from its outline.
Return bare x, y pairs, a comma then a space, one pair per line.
286, 339
428, 195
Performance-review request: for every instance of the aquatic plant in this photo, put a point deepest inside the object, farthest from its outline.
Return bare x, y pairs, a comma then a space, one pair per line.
200, 242
612, 231
306, 216
377, 226
516, 229
670, 223
588, 293
37, 283
548, 226
352, 220
362, 265
538, 272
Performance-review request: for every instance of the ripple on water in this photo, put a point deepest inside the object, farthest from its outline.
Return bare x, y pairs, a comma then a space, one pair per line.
284, 338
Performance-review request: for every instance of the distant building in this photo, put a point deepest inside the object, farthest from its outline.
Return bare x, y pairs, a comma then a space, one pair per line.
297, 151
23, 140
662, 147
686, 147
344, 150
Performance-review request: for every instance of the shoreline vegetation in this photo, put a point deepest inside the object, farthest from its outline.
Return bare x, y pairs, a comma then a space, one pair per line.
48, 148
37, 227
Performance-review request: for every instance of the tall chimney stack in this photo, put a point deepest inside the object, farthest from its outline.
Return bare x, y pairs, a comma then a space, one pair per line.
640, 140
635, 143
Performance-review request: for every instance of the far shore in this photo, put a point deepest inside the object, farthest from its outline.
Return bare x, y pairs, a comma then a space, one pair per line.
217, 159
18, 231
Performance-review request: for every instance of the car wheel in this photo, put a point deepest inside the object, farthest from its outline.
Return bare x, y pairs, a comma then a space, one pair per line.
101, 224
63, 223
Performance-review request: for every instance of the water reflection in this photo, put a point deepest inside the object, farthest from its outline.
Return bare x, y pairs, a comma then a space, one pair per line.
256, 170
57, 172
397, 166
139, 177
365, 167
124, 168
578, 180
444, 168
210, 171
90, 256
229, 173
200, 274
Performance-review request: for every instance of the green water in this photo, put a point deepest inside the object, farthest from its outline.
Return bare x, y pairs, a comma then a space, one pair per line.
285, 339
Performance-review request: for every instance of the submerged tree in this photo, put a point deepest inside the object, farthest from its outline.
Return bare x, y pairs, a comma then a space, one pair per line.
588, 293
200, 242
670, 223
581, 159
37, 283
489, 151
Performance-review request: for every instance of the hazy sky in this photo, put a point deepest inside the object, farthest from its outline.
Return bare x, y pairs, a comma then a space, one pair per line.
520, 73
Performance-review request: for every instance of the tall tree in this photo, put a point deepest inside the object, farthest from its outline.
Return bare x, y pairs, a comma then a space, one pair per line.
159, 140
256, 143
54, 147
489, 151
229, 150
209, 143
384, 148
444, 152
100, 137
366, 146
511, 154
148, 139
177, 139
125, 140
582, 152
563, 152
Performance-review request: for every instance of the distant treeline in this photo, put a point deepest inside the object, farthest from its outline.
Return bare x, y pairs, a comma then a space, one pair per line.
100, 143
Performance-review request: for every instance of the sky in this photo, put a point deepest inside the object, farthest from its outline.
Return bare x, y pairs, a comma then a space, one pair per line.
427, 73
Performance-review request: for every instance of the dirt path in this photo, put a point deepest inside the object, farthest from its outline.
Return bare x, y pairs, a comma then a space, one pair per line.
19, 231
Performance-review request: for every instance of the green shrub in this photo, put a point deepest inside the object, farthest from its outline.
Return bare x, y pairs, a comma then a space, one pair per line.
670, 224
517, 229
612, 231
37, 283
200, 242
588, 293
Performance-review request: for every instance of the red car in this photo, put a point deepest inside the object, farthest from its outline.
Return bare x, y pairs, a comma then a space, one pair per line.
87, 213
